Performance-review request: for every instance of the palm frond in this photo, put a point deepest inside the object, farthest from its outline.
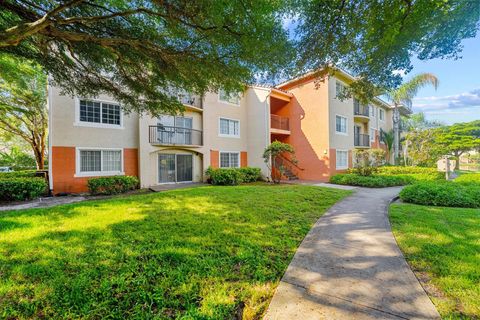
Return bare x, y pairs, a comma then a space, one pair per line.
407, 91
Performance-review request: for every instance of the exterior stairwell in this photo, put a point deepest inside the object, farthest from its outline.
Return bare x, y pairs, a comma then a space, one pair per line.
289, 168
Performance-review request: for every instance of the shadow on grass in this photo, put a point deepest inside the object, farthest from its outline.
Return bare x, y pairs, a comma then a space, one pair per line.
200, 253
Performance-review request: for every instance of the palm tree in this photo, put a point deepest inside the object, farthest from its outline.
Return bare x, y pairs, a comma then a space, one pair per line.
403, 96
387, 138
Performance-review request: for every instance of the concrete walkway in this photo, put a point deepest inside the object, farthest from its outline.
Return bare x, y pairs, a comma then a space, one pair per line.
350, 267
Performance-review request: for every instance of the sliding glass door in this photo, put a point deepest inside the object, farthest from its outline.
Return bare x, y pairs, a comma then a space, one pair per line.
175, 168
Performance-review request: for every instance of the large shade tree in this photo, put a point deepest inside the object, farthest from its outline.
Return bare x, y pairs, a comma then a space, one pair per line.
138, 50
23, 105
373, 39
403, 95
457, 139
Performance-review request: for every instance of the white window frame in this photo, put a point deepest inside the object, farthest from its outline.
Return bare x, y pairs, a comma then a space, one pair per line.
342, 84
79, 123
336, 159
97, 173
346, 125
220, 157
228, 102
372, 136
380, 110
228, 135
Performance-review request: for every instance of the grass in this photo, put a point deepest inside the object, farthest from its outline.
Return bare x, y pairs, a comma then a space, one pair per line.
442, 245
201, 253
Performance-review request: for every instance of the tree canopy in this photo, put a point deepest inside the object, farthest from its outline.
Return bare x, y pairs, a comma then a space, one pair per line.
23, 104
138, 50
374, 39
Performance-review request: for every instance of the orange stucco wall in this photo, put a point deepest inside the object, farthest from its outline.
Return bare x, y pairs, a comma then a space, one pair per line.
309, 130
63, 169
215, 159
243, 159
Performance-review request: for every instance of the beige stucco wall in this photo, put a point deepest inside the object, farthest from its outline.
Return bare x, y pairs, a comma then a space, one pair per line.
148, 160
66, 131
258, 126
342, 108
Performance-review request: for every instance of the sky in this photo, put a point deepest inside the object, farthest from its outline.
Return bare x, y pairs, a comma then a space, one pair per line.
457, 99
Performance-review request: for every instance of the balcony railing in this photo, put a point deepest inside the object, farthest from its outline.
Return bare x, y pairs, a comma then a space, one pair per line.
360, 110
278, 122
362, 140
166, 135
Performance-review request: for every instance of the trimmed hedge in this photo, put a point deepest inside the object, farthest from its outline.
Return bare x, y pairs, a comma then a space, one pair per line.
468, 178
18, 174
445, 194
373, 181
417, 173
233, 176
19, 189
112, 185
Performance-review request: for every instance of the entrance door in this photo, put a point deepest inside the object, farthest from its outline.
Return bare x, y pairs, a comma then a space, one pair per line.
175, 168
166, 168
184, 167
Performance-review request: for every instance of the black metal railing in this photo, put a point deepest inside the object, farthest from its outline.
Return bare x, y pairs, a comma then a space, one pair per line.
360, 110
167, 135
361, 140
278, 122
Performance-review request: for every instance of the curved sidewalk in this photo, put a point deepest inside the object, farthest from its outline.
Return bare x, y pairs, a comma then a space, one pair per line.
350, 267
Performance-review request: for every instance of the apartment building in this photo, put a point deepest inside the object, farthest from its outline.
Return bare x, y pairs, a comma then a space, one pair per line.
93, 137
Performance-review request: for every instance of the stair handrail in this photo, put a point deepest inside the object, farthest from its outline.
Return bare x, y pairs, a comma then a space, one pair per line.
282, 157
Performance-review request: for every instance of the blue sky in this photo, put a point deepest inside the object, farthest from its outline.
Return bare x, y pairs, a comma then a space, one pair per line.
457, 98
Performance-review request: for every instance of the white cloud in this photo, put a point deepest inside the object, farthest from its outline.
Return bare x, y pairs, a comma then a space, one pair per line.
467, 102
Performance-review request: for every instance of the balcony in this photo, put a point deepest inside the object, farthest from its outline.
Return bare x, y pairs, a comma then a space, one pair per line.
360, 112
279, 125
361, 140
174, 136
189, 100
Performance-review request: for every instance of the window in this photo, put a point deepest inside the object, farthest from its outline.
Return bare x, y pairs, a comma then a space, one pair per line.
99, 162
372, 135
229, 127
341, 159
381, 114
341, 125
372, 111
99, 112
229, 159
339, 88
232, 98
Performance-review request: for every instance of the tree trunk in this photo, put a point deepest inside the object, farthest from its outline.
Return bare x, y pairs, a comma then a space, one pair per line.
396, 133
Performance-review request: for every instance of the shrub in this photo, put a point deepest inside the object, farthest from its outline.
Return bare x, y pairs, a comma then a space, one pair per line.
417, 173
366, 162
225, 176
18, 189
112, 185
250, 174
18, 174
446, 194
373, 181
468, 178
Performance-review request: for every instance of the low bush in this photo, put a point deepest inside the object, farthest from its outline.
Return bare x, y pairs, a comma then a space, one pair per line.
372, 181
18, 174
468, 178
21, 188
250, 174
445, 194
416, 173
406, 170
112, 185
225, 176
233, 176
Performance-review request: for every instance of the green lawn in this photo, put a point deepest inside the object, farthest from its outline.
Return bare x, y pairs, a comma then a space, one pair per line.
442, 245
201, 253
